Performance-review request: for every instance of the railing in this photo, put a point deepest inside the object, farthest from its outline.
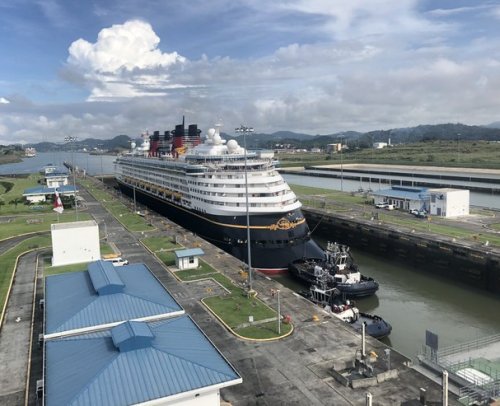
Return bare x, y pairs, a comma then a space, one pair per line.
472, 345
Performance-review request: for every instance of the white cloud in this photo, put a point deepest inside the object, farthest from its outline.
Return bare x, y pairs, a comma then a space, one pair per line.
3, 100
125, 61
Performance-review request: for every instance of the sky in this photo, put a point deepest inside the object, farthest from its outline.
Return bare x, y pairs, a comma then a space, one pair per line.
100, 68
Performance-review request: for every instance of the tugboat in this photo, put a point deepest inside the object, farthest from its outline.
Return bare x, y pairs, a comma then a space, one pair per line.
338, 270
335, 304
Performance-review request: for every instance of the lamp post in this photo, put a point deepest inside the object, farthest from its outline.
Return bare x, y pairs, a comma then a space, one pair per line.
244, 130
72, 140
458, 150
341, 167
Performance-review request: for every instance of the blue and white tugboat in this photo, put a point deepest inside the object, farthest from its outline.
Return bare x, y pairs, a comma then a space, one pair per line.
334, 302
337, 270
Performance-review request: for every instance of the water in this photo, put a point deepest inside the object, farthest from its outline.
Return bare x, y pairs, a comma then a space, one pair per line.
410, 299
93, 164
414, 301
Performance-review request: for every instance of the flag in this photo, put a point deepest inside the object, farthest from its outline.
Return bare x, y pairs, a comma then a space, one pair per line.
58, 206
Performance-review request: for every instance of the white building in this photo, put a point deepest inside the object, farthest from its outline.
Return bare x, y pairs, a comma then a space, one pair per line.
74, 243
379, 145
448, 202
187, 259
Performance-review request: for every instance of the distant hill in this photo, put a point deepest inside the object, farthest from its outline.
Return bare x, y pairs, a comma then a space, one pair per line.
450, 131
116, 144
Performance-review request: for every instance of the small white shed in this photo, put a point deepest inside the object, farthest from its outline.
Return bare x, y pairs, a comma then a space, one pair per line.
187, 259
447, 202
74, 243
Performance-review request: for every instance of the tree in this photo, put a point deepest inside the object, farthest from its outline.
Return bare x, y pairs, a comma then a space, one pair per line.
2, 203
16, 201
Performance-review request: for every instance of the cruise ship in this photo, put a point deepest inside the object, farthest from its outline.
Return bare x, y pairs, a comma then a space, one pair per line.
201, 186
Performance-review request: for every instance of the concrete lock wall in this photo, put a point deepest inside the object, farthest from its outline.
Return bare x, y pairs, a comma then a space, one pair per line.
468, 264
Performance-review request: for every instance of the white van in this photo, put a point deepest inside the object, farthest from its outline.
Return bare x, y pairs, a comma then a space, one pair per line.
118, 261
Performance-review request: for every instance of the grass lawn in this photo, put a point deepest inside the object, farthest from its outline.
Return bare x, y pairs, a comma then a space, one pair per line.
235, 306
8, 261
202, 271
56, 270
157, 244
37, 223
310, 193
132, 221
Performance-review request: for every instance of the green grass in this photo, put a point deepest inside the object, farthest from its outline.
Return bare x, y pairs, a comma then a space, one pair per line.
8, 261
167, 257
131, 221
156, 244
343, 202
264, 331
469, 154
235, 307
56, 270
202, 271
36, 223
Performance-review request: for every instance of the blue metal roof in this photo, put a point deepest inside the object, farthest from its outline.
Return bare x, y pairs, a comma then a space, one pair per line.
72, 302
131, 335
88, 369
403, 192
189, 252
105, 278
44, 190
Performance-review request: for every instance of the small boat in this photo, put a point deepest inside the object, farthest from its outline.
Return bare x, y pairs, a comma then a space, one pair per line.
334, 302
337, 269
30, 152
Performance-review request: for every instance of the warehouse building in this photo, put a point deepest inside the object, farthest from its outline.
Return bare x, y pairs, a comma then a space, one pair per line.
444, 202
104, 296
115, 336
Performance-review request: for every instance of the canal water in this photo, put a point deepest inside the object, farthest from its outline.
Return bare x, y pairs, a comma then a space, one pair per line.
409, 298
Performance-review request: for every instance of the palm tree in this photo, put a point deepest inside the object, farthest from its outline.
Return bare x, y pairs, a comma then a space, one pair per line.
16, 201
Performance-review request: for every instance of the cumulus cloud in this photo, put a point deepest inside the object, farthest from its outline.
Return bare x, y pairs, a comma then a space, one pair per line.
3, 100
125, 61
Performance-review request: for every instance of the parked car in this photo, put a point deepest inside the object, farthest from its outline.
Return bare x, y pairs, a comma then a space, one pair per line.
118, 261
421, 214
381, 205
389, 207
414, 212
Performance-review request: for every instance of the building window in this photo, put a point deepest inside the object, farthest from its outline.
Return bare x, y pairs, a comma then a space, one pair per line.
191, 260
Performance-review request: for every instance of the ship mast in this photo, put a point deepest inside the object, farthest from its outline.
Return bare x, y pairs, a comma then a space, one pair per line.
244, 130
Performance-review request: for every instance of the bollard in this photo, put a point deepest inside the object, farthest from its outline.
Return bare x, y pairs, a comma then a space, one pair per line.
445, 388
368, 399
423, 397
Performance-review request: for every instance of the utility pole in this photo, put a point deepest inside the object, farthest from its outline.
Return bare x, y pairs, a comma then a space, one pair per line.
72, 140
244, 130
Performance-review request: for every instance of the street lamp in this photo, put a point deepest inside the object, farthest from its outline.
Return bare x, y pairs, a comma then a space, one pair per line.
458, 150
73, 140
244, 130
341, 167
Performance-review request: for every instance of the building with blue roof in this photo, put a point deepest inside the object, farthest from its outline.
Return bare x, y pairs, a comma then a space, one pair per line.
188, 258
169, 361
39, 194
444, 202
404, 197
104, 296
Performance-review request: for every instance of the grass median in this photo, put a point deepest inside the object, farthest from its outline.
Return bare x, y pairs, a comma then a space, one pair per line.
8, 261
234, 307
130, 220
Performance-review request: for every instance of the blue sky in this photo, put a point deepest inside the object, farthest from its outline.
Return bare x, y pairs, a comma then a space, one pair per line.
103, 68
